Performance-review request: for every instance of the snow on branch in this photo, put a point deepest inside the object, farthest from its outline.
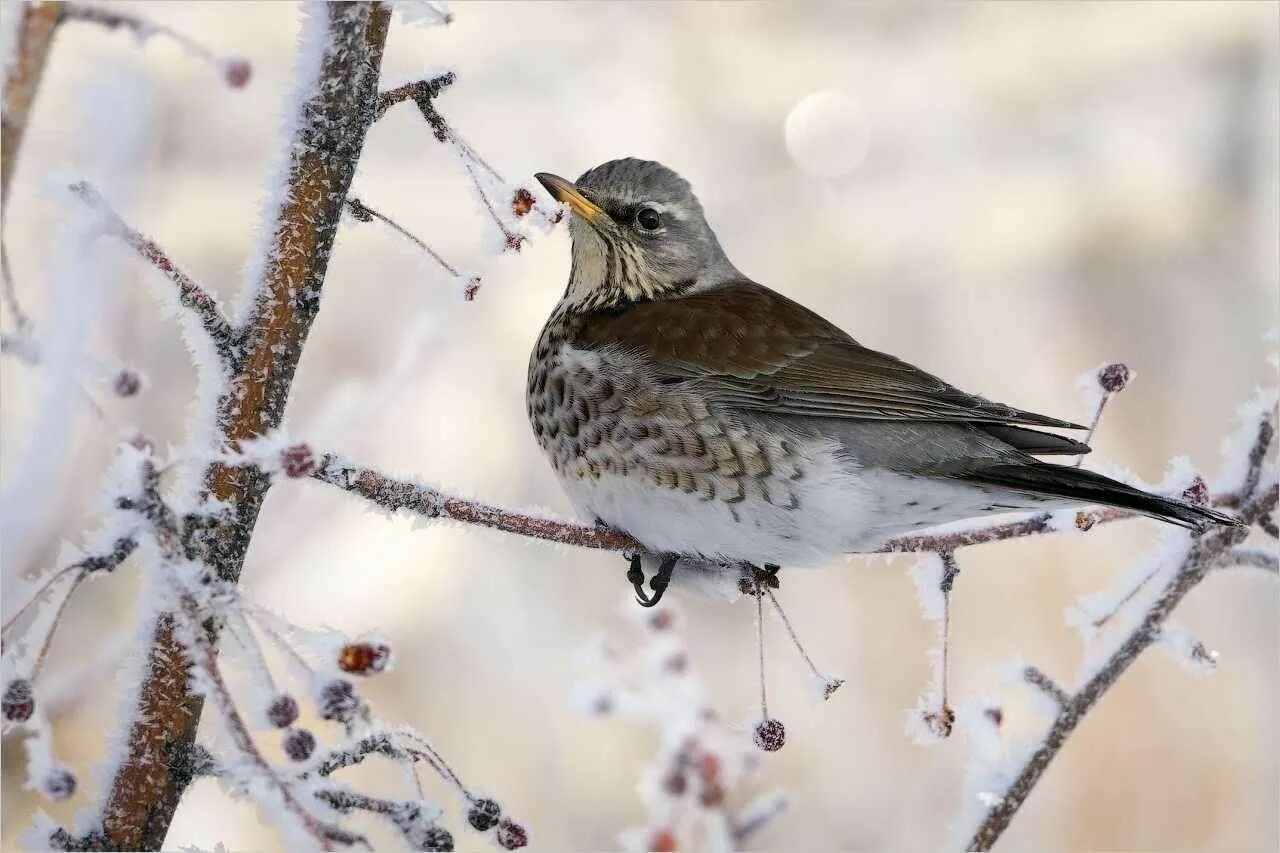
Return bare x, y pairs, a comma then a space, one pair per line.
1255, 498
192, 296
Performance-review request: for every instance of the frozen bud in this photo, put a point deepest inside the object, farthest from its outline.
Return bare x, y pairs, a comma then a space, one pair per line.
663, 841
771, 735
511, 835
60, 784
297, 461
283, 711
473, 287
299, 744
522, 202
994, 715
677, 664
514, 242
237, 72
338, 700
483, 814
1114, 377
941, 722
1197, 493
19, 702
433, 837
364, 658
126, 383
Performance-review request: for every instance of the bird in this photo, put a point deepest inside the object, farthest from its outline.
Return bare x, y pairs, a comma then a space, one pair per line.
715, 419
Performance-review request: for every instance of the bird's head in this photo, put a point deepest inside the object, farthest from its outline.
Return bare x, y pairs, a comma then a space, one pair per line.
638, 234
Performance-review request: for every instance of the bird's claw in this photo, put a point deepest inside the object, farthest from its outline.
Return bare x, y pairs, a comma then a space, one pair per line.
659, 582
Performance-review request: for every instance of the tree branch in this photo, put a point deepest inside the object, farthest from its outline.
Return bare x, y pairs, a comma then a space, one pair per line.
333, 114
392, 495
35, 38
191, 295
1206, 551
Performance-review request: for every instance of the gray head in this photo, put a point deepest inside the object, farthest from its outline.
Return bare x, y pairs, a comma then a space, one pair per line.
638, 234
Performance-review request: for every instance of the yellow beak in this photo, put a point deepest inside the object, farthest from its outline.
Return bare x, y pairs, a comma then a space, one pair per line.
566, 193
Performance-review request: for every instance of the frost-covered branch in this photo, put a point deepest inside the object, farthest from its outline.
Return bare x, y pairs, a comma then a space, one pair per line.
394, 495
1255, 558
1257, 497
335, 91
34, 40
422, 93
192, 296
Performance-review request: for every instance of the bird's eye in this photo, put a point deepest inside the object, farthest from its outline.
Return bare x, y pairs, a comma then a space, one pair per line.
648, 219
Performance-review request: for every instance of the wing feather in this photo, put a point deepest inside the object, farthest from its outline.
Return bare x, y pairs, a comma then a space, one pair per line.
752, 349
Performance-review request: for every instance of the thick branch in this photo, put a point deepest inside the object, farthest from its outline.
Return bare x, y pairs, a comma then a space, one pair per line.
334, 112
191, 295
35, 38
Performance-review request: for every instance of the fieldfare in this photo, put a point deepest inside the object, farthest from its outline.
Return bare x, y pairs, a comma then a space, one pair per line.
715, 419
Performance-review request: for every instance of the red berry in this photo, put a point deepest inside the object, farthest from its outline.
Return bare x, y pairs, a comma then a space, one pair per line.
483, 814
299, 744
511, 835
364, 658
60, 784
18, 703
771, 735
663, 841
237, 72
1114, 377
298, 461
1197, 493
127, 383
338, 700
283, 711
522, 202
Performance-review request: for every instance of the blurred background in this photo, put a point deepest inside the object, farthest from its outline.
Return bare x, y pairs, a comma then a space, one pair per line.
1008, 194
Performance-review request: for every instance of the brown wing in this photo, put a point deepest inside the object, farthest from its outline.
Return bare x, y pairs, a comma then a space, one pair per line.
750, 348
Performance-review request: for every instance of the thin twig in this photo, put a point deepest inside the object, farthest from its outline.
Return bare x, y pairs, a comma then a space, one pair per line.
422, 93
831, 684
1046, 685
1255, 558
191, 295
364, 213
103, 562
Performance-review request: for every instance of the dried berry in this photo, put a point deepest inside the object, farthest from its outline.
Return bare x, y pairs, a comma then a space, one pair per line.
364, 658
299, 744
771, 735
433, 837
675, 784
1197, 493
126, 383
514, 242
283, 711
511, 835
60, 784
237, 72
18, 703
941, 722
522, 202
1114, 377
338, 700
298, 461
473, 287
677, 664
483, 814
995, 715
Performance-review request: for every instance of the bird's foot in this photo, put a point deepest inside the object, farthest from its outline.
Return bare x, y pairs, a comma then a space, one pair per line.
755, 579
659, 582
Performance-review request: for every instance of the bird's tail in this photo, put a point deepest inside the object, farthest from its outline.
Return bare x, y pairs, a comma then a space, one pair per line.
1042, 478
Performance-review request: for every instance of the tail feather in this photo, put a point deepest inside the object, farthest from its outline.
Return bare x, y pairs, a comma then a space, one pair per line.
1042, 478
